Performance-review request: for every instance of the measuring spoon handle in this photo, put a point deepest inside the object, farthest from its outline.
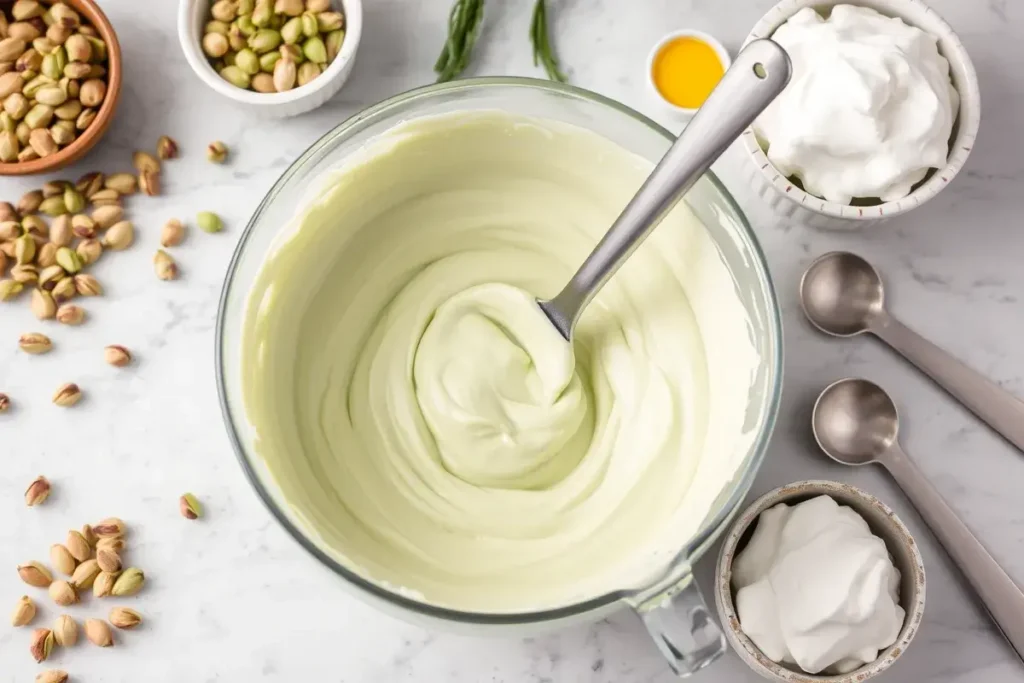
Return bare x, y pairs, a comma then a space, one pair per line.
1001, 410
999, 594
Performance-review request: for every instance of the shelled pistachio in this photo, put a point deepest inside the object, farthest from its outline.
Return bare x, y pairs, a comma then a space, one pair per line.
246, 38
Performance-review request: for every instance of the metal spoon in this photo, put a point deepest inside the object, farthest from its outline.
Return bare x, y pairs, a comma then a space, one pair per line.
856, 423
759, 73
842, 295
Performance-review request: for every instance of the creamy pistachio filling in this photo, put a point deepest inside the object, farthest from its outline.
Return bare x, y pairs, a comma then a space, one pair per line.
430, 429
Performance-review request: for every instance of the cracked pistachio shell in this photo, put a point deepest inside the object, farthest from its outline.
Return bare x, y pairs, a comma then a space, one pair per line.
85, 574
61, 231
42, 304
62, 560
89, 251
65, 631
24, 612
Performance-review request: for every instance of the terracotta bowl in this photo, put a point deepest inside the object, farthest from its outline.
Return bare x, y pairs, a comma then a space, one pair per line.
91, 12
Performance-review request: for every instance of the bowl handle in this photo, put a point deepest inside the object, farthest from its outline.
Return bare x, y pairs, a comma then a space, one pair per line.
679, 621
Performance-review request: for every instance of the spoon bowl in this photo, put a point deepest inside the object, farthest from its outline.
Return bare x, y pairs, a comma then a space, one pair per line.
855, 422
840, 292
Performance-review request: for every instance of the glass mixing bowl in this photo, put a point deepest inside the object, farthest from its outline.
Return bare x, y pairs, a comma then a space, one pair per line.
671, 607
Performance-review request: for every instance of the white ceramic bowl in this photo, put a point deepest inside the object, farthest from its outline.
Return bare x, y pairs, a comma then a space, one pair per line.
192, 17
883, 522
792, 202
710, 40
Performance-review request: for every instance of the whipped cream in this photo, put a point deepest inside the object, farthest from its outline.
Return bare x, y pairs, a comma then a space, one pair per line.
870, 107
816, 588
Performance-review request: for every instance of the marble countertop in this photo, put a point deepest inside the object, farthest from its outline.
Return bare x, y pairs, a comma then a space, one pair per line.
233, 598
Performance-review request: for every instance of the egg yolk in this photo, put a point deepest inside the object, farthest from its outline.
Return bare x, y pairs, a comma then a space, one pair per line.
686, 70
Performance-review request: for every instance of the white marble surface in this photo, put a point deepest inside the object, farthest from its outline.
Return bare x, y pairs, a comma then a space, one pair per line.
234, 599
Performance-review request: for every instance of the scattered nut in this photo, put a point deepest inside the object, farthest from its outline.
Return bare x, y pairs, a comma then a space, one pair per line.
65, 631
122, 183
35, 574
111, 527
63, 593
89, 535
106, 216
52, 676
98, 633
149, 183
104, 584
43, 305
217, 152
61, 231
5, 403
115, 544
144, 161
108, 561
47, 254
209, 222
83, 226
166, 148
117, 355
78, 546
24, 612
62, 559
35, 343
164, 265
85, 574
89, 251
172, 234
119, 236
125, 618
69, 260
130, 582
63, 291
87, 285
67, 395
190, 507
69, 314
42, 644
37, 492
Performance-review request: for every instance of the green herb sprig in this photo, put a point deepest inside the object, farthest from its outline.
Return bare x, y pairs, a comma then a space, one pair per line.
542, 52
463, 29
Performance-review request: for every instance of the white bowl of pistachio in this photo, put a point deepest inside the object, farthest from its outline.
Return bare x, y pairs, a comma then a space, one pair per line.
275, 57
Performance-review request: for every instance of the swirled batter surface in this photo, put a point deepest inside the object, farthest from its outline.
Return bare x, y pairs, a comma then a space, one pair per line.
432, 431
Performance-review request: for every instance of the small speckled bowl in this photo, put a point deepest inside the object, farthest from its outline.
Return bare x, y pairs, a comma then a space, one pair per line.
883, 522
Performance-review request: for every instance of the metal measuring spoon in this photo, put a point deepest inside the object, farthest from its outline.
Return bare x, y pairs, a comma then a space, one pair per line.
842, 295
759, 73
856, 423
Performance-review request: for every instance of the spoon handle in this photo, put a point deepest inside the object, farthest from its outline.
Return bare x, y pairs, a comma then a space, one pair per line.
1003, 411
759, 73
1000, 595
